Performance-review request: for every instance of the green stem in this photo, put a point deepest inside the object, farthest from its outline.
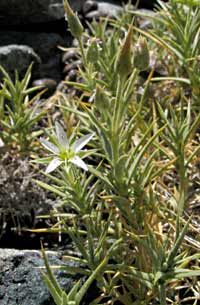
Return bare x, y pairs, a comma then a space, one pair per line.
183, 185
82, 52
115, 125
162, 294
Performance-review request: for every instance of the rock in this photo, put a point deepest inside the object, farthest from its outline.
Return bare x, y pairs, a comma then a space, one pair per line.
146, 3
18, 57
69, 56
72, 76
145, 18
76, 5
89, 5
47, 83
44, 44
14, 12
104, 9
157, 65
51, 68
21, 282
72, 66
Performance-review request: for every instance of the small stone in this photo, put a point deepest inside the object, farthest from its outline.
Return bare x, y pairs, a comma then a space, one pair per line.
72, 76
104, 9
89, 6
45, 82
145, 20
72, 66
69, 55
48, 83
18, 57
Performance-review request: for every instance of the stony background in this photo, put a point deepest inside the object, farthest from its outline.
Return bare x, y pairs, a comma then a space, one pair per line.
33, 30
21, 281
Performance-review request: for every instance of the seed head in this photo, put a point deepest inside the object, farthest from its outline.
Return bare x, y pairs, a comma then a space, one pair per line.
92, 51
101, 99
74, 23
124, 58
141, 55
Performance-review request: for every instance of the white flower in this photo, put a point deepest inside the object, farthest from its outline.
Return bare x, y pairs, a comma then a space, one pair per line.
63, 152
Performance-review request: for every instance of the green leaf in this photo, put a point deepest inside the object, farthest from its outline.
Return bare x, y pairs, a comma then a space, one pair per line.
89, 281
177, 244
49, 188
51, 276
72, 295
144, 149
55, 295
101, 176
144, 278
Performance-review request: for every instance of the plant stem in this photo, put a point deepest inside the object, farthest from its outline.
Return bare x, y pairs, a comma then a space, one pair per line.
162, 293
183, 185
82, 52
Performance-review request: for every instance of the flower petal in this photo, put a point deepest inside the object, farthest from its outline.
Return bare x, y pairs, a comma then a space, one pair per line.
79, 162
61, 136
53, 165
49, 146
80, 143
1, 143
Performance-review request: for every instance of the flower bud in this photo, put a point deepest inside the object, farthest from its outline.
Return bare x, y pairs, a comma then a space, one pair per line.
101, 99
74, 23
141, 55
92, 51
123, 62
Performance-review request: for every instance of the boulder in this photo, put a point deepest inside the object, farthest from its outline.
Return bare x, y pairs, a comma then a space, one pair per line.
101, 9
17, 57
14, 12
21, 282
43, 44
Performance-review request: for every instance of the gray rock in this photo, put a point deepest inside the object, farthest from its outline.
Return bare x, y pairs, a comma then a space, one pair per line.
104, 9
90, 5
21, 282
14, 12
17, 57
76, 5
44, 44
47, 83
145, 18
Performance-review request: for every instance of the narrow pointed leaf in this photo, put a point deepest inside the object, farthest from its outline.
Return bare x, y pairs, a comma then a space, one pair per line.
50, 273
92, 277
177, 244
52, 290
73, 292
64, 300
49, 188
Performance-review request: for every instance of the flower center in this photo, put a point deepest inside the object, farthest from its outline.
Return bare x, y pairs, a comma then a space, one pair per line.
66, 154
